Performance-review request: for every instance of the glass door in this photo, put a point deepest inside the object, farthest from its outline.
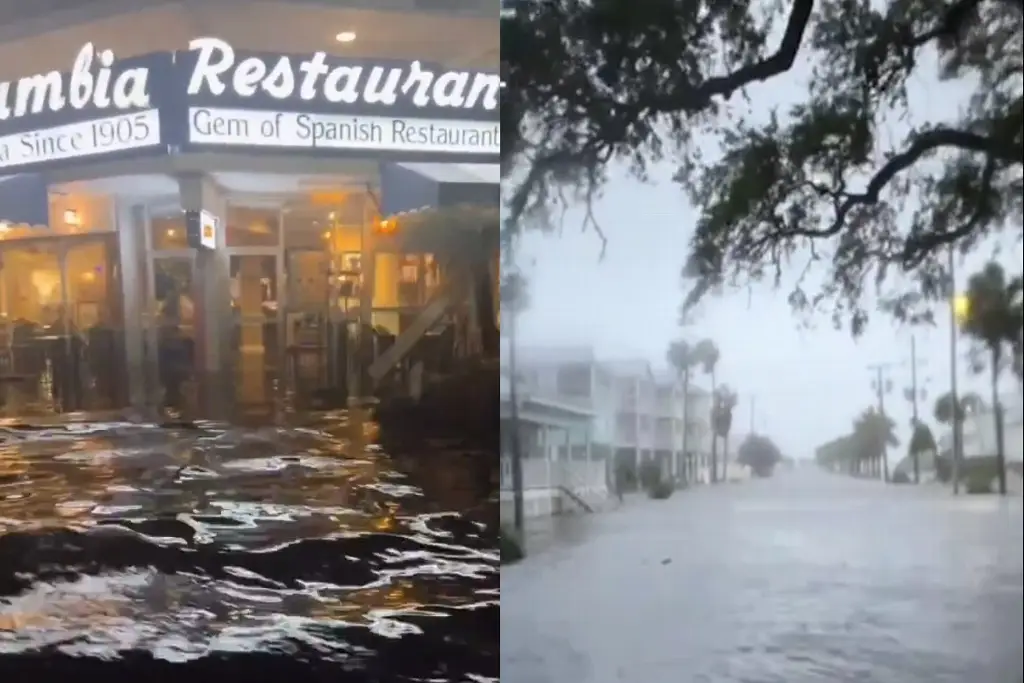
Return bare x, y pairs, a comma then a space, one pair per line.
308, 316
94, 303
32, 309
255, 334
172, 334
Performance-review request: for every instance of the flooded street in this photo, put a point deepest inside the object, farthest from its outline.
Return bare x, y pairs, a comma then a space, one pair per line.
304, 547
805, 578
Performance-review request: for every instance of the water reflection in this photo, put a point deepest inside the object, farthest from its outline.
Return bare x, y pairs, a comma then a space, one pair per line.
187, 543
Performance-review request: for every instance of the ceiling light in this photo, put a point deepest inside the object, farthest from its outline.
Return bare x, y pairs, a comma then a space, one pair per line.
345, 37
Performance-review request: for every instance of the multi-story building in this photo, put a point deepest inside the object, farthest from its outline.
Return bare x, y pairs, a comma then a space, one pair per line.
980, 432
249, 170
637, 412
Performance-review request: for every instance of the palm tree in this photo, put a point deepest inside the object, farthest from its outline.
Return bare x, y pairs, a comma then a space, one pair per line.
682, 359
706, 355
725, 400
873, 433
952, 414
921, 441
993, 319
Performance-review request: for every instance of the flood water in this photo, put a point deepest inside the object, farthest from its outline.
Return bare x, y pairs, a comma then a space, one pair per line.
802, 578
133, 549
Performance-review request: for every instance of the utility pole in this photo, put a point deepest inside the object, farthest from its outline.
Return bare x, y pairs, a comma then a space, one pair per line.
913, 394
953, 371
753, 414
882, 384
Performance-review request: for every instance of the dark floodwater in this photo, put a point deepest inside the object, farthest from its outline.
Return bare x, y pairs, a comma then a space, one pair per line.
255, 553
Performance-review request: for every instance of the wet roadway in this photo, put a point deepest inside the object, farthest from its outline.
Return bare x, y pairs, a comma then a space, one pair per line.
805, 578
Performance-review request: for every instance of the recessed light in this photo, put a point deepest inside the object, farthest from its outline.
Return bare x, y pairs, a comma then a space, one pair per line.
345, 37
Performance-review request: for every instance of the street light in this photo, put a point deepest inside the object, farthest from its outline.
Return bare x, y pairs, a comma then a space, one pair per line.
959, 308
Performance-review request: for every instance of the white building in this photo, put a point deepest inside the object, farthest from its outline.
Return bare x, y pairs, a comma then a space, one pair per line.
980, 432
622, 412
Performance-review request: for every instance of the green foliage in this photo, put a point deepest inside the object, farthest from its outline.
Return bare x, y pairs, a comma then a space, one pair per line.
995, 315
921, 440
760, 454
979, 480
969, 403
725, 400
653, 482
681, 357
661, 490
873, 432
900, 477
828, 181
511, 550
515, 292
650, 474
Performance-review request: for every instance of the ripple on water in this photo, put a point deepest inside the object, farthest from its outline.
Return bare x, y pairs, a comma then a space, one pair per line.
137, 544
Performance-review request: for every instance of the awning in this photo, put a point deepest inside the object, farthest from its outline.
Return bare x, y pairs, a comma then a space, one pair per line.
24, 200
408, 188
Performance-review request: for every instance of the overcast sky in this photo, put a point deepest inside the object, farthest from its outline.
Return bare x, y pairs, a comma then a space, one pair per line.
806, 385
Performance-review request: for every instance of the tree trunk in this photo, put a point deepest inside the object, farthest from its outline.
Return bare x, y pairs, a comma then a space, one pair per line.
714, 432
687, 465
997, 414
725, 458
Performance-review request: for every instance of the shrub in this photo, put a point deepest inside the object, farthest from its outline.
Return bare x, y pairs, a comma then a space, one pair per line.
900, 477
650, 474
511, 550
661, 490
978, 481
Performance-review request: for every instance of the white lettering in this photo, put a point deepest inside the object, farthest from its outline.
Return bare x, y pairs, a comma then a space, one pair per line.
131, 89
91, 83
207, 71
349, 92
313, 68
280, 82
384, 94
248, 76
80, 88
217, 66
38, 92
418, 81
449, 88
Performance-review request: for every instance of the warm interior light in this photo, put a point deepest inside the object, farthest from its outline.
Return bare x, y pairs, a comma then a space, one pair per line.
170, 232
327, 234
345, 37
71, 217
386, 226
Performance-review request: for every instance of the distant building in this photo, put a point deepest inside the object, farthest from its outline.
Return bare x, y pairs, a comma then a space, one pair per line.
979, 432
633, 414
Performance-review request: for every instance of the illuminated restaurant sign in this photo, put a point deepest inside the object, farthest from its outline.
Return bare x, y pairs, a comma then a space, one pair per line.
105, 106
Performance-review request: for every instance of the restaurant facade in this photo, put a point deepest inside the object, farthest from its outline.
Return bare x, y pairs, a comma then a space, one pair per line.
243, 168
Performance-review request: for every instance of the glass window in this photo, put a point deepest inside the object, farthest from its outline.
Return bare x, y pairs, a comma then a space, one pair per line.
253, 227
168, 231
92, 288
